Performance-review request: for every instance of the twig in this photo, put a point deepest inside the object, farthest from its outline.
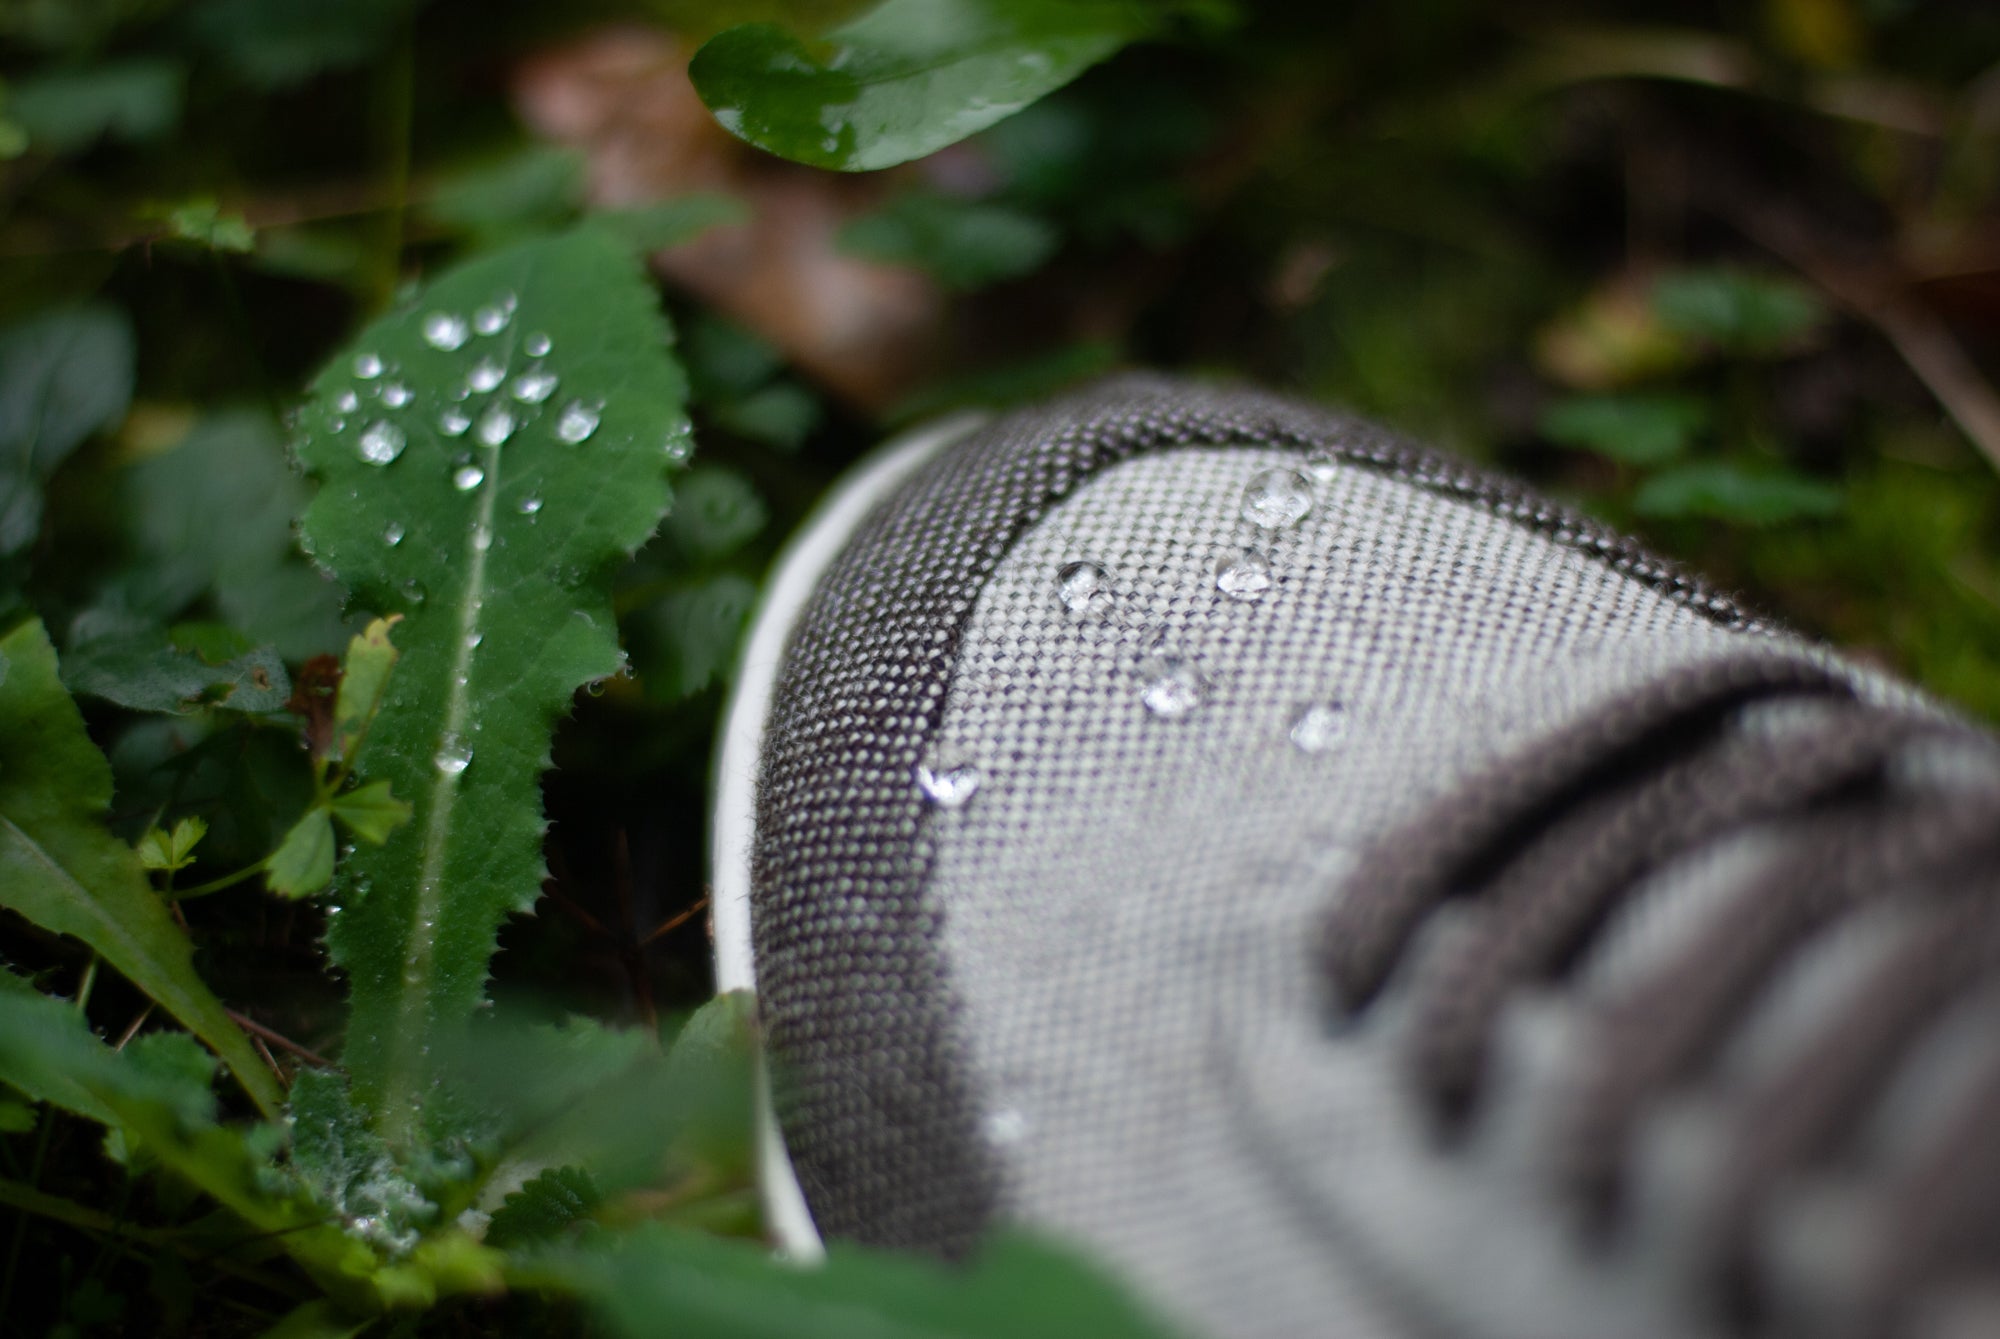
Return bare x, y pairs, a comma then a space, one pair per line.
674, 922
279, 1039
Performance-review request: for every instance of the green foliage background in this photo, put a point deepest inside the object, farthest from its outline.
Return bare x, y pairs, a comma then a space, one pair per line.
1726, 275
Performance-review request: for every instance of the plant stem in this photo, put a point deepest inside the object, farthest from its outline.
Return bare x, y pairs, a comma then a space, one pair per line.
217, 885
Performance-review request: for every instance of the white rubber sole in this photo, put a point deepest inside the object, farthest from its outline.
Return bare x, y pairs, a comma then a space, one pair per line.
794, 579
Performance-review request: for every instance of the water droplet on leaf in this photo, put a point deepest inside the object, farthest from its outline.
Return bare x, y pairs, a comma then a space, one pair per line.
538, 344
496, 425
577, 421
392, 534
367, 366
381, 443
482, 537
529, 505
347, 402
453, 423
446, 331
485, 375
395, 394
467, 477
492, 319
1277, 498
452, 756
535, 385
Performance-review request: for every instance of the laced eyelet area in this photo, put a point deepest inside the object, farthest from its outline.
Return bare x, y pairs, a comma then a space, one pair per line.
1540, 856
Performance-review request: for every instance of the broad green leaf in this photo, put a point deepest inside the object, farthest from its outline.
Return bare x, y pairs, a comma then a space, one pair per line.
907, 77
370, 811
543, 1208
149, 674
163, 850
317, 1319
303, 862
232, 464
67, 110
63, 375
485, 455
1635, 429
963, 244
656, 1281
364, 677
62, 870
532, 190
1727, 492
46, 1033
1737, 310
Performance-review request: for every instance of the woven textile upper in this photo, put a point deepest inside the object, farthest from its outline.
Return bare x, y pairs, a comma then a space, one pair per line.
1083, 985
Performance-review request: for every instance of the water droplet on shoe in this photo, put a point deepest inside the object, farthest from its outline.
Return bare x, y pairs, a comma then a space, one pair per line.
538, 344
367, 366
496, 425
485, 375
392, 534
446, 331
381, 443
1175, 685
453, 423
947, 780
1319, 727
1322, 465
395, 394
529, 505
1005, 1126
535, 385
577, 421
1085, 590
1277, 498
467, 478
452, 756
1243, 576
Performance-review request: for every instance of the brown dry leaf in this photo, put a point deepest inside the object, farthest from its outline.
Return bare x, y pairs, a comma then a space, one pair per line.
621, 95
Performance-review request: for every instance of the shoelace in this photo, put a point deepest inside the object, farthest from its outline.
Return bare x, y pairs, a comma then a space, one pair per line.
1539, 856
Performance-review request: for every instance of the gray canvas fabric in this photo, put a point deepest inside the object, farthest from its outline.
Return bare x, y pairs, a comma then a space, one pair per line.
1090, 994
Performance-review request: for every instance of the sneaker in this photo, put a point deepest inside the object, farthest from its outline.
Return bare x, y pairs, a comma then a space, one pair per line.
1351, 895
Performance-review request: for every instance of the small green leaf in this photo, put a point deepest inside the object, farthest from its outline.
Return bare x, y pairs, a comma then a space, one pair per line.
907, 77
370, 811
364, 677
303, 862
1727, 492
62, 870
716, 513
782, 415
688, 639
147, 673
1736, 310
206, 224
69, 110
175, 850
317, 1319
524, 451
671, 223
541, 1210
963, 244
277, 43
535, 189
63, 375
656, 1282
1635, 429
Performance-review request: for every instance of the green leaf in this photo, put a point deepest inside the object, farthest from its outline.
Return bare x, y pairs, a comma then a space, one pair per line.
68, 110
364, 677
277, 43
532, 190
660, 1282
1736, 310
1635, 429
370, 811
715, 514
43, 1071
780, 415
303, 862
60, 869
172, 851
542, 1209
483, 484
15, 1117
207, 224
670, 223
317, 1319
1727, 492
232, 464
63, 375
688, 639
147, 673
963, 244
906, 78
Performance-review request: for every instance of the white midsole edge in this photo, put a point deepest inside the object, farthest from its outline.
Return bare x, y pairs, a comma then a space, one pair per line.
794, 579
